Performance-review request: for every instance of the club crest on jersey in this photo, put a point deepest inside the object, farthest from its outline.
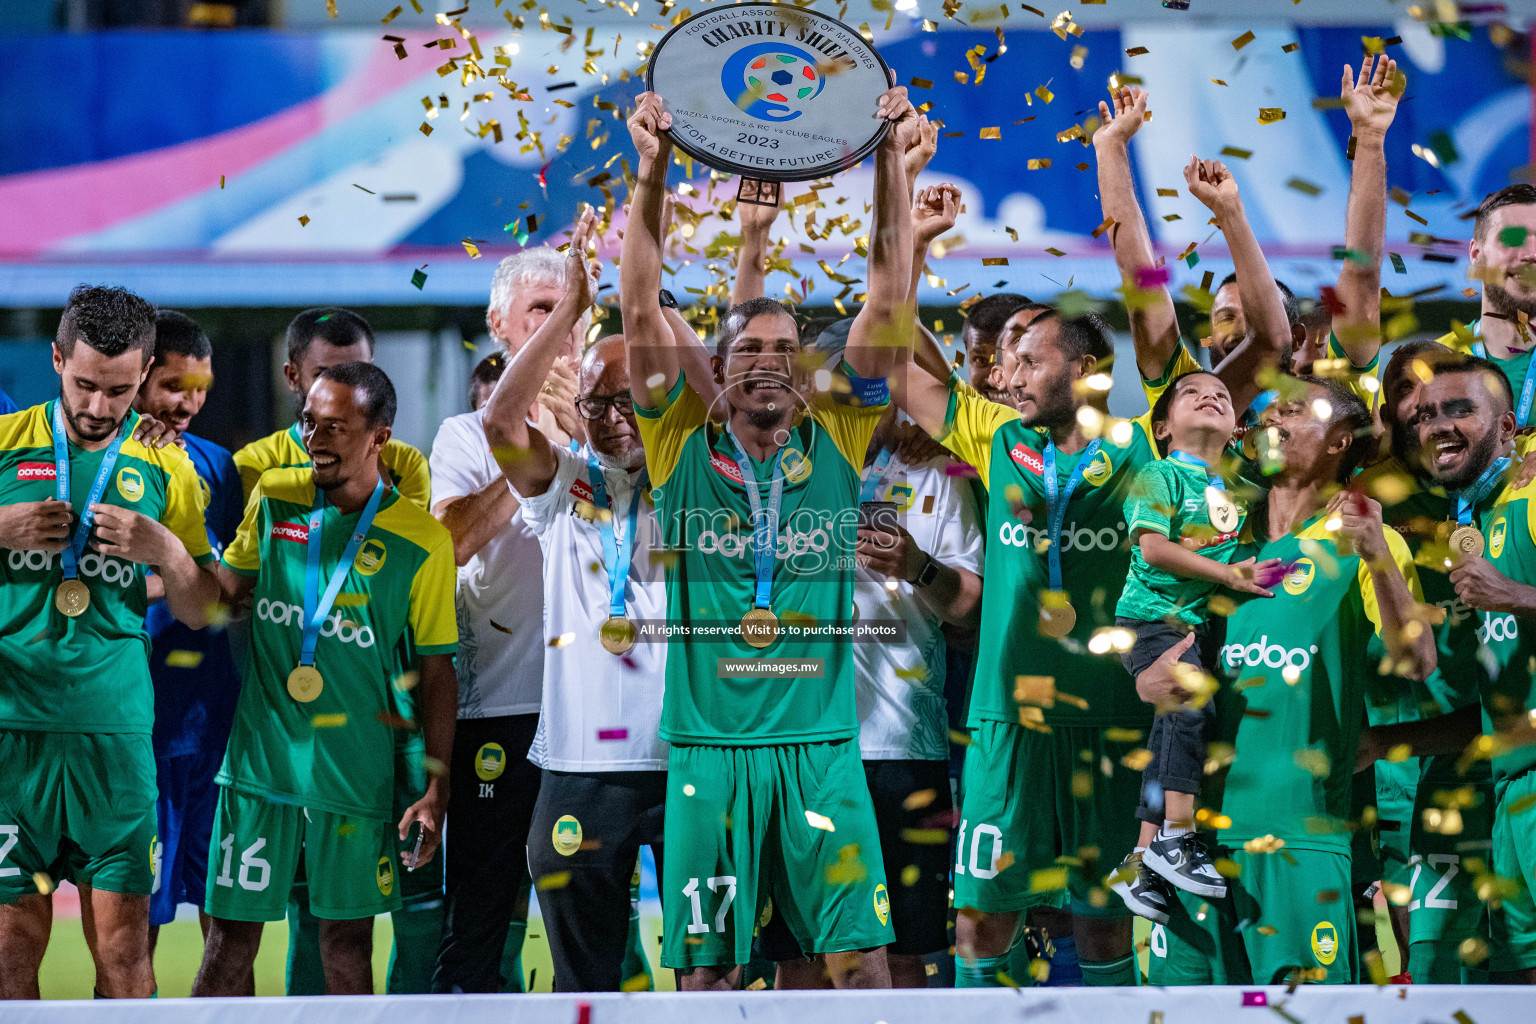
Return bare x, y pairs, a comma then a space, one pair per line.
490, 761
902, 494
1299, 578
385, 876
296, 532
1496, 538
36, 471
1325, 942
1099, 470
1027, 457
796, 466
566, 835
130, 484
370, 557
727, 468
882, 904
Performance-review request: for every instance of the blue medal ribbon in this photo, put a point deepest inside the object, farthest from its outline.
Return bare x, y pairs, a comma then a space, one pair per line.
1056, 506
70, 556
1527, 390
874, 476
316, 605
765, 521
616, 554
1190, 460
1468, 497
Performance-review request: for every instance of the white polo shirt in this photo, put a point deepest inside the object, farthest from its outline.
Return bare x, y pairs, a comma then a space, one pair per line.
500, 598
601, 711
899, 687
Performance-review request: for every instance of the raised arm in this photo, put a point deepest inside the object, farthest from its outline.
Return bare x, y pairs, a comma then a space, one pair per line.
873, 350
1371, 102
522, 452
1269, 332
1154, 326
653, 360
1412, 653
933, 213
751, 259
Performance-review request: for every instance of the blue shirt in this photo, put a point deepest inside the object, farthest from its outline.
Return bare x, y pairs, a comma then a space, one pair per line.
195, 698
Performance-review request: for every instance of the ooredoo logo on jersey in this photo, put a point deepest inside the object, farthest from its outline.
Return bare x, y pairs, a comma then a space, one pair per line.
279, 613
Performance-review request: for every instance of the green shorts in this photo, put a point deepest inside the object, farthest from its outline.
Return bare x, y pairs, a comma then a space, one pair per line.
1284, 910
1396, 787
79, 806
793, 823
1513, 924
1044, 817
256, 853
1443, 868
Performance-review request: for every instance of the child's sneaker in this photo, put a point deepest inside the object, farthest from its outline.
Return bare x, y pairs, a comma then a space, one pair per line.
1185, 861
1143, 890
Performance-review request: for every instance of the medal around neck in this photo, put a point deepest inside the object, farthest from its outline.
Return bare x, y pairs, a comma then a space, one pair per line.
617, 634
72, 598
305, 683
1057, 616
759, 627
770, 91
1466, 542
1223, 510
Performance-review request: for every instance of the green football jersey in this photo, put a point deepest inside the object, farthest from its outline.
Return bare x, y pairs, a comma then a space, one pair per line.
87, 674
1168, 498
335, 753
1095, 561
1423, 517
1509, 695
706, 521
1293, 699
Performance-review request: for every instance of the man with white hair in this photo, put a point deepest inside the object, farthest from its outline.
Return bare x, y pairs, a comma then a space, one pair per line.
493, 785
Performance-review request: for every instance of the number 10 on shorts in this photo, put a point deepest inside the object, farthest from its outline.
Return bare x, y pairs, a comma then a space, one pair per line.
691, 890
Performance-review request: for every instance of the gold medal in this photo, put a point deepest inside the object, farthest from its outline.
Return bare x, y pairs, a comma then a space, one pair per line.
72, 598
759, 627
1223, 510
305, 683
1466, 542
1057, 618
617, 635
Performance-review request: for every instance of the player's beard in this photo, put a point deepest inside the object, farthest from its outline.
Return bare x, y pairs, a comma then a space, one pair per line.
1482, 453
1505, 304
626, 463
1054, 405
91, 434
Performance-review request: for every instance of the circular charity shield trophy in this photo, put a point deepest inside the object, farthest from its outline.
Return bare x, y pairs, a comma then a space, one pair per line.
771, 92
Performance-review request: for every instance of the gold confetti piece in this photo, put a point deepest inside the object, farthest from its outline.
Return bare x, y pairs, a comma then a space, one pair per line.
1235, 153
221, 181
304, 221
328, 721
1269, 115
1218, 81
1098, 231
471, 248
1242, 40
991, 133
638, 983
910, 875
432, 766
1081, 167
1167, 191
918, 800
1045, 94
1055, 252
562, 640
1136, 51
1304, 187
425, 129
43, 882
391, 16
1039, 164
184, 659
820, 821
997, 261
1290, 47
920, 83
1413, 216
1267, 929
555, 880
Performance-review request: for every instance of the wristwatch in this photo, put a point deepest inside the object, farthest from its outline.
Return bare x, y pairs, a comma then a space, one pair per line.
928, 573
666, 300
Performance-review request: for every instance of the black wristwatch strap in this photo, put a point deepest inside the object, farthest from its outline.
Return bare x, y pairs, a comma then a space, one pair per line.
929, 573
665, 298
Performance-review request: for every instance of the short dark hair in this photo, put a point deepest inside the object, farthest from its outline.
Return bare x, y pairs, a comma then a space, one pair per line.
1401, 363
1521, 193
1287, 298
1164, 403
991, 314
736, 319
1349, 409
487, 372
178, 334
1464, 362
1085, 335
109, 320
378, 394
330, 324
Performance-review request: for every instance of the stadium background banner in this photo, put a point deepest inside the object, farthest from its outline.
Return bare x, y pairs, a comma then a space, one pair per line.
269, 168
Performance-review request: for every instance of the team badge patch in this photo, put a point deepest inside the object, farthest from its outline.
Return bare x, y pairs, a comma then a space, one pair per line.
1496, 538
386, 876
1099, 470
370, 557
796, 466
1325, 942
490, 761
130, 484
882, 904
1300, 576
566, 835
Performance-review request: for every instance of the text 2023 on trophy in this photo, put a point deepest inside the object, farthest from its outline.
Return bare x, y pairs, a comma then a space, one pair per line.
770, 92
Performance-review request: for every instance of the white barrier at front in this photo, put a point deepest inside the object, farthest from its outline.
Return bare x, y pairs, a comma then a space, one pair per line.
1414, 1004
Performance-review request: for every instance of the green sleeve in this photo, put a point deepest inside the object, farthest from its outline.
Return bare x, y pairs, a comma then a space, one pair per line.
1152, 501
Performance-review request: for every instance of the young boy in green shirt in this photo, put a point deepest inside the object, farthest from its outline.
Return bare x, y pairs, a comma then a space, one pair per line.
1187, 529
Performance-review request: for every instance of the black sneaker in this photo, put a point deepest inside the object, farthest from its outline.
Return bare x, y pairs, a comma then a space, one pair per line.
1143, 890
1185, 861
